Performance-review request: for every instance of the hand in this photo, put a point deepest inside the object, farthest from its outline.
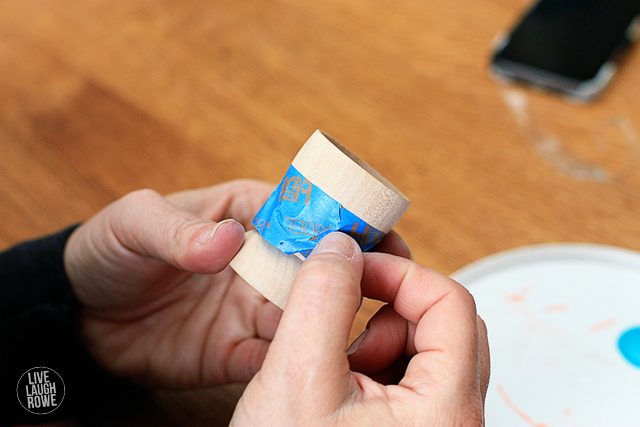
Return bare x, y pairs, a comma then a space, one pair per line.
308, 377
160, 304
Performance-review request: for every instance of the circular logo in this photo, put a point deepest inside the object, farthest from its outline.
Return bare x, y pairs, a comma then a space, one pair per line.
40, 390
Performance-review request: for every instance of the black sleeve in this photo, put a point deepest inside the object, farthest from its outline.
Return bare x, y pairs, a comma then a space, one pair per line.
38, 328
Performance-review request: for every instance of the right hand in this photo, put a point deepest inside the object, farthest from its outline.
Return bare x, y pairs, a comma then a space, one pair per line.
307, 377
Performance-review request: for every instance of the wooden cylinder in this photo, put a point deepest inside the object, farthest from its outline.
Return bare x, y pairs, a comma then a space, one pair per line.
347, 180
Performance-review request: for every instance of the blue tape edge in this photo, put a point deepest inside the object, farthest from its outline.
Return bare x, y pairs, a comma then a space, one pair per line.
298, 214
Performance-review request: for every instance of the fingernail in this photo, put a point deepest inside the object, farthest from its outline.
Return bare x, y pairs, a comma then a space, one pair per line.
356, 343
207, 236
337, 243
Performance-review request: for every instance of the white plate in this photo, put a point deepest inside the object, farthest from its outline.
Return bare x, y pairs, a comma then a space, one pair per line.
555, 314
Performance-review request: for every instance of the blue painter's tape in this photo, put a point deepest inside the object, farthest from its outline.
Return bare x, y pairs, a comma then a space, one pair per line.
299, 214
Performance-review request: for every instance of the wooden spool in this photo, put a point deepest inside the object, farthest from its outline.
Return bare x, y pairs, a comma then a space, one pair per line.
346, 179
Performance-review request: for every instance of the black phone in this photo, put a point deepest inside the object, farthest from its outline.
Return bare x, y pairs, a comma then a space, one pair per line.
568, 46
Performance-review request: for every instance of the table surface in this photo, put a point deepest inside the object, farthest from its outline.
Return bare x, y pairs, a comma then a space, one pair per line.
98, 98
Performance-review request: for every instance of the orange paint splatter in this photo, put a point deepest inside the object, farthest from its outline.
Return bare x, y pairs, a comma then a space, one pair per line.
516, 298
518, 411
568, 412
602, 325
555, 308
520, 296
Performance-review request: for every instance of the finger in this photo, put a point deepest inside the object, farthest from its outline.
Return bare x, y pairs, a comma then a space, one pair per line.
393, 244
239, 199
246, 359
445, 316
392, 374
266, 320
484, 365
311, 341
381, 344
145, 223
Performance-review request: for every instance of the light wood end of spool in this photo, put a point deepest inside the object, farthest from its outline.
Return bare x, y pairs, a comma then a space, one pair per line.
350, 181
265, 268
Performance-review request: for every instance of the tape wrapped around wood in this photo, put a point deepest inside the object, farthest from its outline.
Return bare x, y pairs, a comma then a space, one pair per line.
350, 182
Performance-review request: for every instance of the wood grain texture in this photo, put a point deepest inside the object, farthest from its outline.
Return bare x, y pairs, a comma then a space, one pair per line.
350, 181
265, 268
98, 98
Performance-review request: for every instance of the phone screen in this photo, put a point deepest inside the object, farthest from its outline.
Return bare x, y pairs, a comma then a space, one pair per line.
570, 38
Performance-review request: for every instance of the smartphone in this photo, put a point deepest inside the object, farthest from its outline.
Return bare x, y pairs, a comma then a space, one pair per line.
568, 46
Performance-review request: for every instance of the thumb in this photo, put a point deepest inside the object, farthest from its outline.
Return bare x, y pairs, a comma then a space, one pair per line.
312, 337
147, 224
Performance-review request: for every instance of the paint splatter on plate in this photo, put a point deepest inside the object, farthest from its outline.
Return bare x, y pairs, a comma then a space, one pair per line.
563, 322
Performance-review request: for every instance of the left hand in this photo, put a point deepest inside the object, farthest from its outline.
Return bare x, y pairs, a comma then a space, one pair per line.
160, 304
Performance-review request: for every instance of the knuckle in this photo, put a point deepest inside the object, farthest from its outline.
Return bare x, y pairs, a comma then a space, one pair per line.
329, 272
177, 237
462, 294
481, 324
176, 230
142, 196
321, 271
131, 208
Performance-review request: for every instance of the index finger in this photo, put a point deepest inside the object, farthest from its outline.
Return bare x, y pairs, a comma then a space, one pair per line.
446, 337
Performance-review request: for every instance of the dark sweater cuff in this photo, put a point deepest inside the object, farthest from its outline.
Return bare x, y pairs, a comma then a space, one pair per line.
38, 325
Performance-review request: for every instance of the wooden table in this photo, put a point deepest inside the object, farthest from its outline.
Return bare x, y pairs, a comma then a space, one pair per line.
98, 98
